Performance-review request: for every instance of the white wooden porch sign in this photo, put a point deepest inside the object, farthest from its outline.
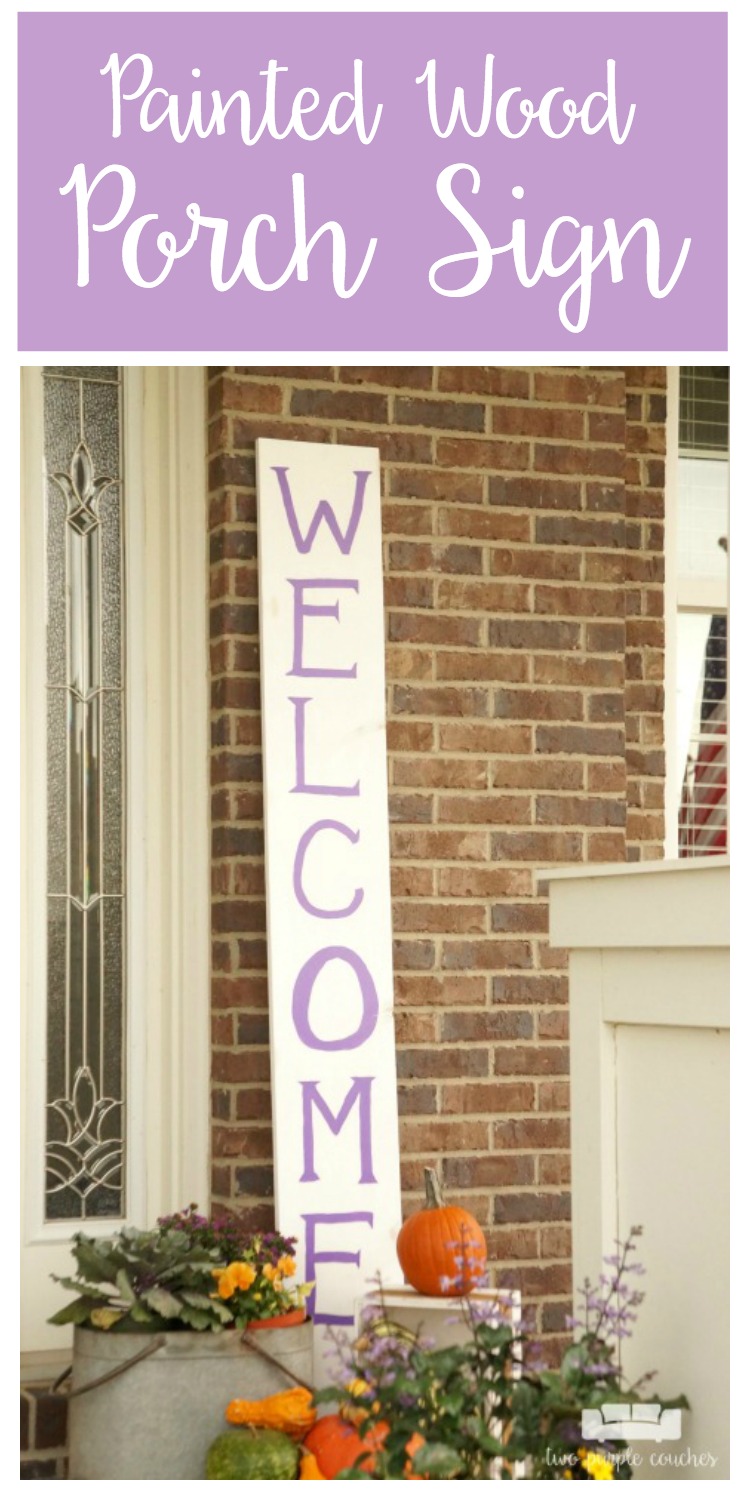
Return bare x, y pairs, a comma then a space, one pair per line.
327, 873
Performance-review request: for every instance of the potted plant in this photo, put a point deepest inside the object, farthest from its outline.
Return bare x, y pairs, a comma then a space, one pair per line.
170, 1324
489, 1404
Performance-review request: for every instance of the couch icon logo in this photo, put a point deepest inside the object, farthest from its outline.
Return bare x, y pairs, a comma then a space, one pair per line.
632, 1423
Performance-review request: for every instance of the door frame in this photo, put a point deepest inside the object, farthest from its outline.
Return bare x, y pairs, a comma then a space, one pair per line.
168, 839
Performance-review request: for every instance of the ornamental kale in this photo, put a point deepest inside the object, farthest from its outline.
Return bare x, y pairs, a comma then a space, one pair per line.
188, 1272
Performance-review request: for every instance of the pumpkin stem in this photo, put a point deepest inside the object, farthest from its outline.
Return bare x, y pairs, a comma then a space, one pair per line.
432, 1189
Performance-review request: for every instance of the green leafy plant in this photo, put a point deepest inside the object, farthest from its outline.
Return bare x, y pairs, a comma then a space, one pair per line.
188, 1272
491, 1399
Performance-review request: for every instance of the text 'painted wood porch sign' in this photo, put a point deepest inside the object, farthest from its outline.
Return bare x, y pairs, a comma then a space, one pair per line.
336, 1163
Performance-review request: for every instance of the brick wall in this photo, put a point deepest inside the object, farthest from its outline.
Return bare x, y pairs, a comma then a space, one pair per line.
523, 556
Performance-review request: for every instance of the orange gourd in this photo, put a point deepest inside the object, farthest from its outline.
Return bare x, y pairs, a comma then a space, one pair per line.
290, 1411
337, 1444
308, 1468
416, 1441
441, 1248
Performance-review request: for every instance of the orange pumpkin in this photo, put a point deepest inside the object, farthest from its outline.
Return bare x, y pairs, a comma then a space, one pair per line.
441, 1249
337, 1444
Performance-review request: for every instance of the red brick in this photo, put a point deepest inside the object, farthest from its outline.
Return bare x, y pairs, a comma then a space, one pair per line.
496, 1097
440, 1136
532, 562
535, 705
478, 666
493, 953
474, 453
443, 1062
555, 1240
248, 1066
537, 773
422, 916
484, 380
485, 1025
412, 880
537, 421
533, 1134
340, 405
537, 846
485, 595
462, 416
408, 377
603, 388
554, 1095
486, 809
439, 844
441, 989
470, 775
494, 881
439, 558
532, 1208
559, 458
571, 812
531, 1060
485, 525
442, 702
487, 739
400, 519
532, 635
488, 1171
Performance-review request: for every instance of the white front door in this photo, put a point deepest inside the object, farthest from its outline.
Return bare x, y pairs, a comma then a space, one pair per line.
115, 936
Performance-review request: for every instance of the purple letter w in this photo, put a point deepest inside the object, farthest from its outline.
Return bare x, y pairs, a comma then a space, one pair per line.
324, 512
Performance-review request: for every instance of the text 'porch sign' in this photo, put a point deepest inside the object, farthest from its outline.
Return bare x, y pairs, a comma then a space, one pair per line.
327, 871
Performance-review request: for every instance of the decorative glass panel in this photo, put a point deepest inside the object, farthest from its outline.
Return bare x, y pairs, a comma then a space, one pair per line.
85, 1146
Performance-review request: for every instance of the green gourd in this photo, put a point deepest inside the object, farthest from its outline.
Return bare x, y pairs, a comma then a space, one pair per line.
261, 1454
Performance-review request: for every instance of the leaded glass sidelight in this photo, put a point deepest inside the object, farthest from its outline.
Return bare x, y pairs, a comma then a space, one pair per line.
85, 1144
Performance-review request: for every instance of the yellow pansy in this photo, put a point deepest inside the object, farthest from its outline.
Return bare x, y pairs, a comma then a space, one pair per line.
227, 1285
287, 1266
597, 1466
357, 1387
244, 1274
270, 1272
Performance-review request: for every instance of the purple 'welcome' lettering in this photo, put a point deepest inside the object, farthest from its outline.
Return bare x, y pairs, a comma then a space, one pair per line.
302, 997
359, 1093
299, 862
303, 608
344, 539
315, 1257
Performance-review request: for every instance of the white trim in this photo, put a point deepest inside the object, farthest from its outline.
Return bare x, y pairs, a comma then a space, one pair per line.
673, 776
168, 785
706, 595
168, 863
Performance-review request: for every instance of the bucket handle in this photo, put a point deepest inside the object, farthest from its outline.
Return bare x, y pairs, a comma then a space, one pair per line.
156, 1344
257, 1348
91, 1385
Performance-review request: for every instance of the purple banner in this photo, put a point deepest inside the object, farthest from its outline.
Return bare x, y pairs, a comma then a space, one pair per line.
295, 182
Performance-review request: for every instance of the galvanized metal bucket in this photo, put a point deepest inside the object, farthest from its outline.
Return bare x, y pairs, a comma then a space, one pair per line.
145, 1407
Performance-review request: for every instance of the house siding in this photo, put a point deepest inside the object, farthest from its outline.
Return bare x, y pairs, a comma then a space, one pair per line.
523, 553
